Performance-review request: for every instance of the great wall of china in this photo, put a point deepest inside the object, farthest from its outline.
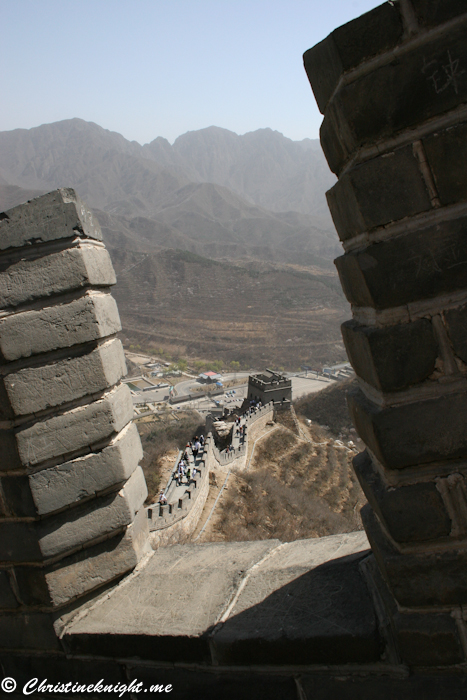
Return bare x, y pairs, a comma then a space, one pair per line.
84, 597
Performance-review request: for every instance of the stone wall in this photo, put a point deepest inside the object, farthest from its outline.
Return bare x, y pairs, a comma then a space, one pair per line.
71, 490
392, 86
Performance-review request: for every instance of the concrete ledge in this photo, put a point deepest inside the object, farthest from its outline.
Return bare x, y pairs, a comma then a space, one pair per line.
219, 615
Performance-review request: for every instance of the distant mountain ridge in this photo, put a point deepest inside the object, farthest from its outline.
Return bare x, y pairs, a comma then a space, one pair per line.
222, 244
211, 188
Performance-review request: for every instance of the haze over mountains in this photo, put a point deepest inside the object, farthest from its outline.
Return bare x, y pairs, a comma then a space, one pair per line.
251, 200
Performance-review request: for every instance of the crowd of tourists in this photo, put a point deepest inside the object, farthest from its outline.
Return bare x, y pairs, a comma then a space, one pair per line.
184, 469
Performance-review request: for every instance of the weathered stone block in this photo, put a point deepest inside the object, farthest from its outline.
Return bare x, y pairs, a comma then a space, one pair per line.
410, 513
369, 35
428, 639
26, 541
91, 317
416, 86
446, 153
82, 573
391, 358
37, 388
52, 489
80, 478
411, 434
418, 579
56, 273
431, 13
335, 140
31, 630
384, 189
456, 324
419, 265
58, 214
7, 597
71, 431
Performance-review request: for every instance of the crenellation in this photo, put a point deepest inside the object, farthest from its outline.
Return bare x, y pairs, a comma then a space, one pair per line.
72, 515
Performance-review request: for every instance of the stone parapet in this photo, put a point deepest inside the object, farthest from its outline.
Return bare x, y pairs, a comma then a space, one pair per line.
395, 133
71, 516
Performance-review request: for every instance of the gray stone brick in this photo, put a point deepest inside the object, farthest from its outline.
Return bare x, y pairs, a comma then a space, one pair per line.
86, 571
93, 316
431, 13
446, 153
410, 434
412, 513
382, 190
37, 388
71, 431
369, 35
419, 265
7, 597
25, 541
30, 630
56, 273
391, 358
428, 639
421, 84
420, 579
456, 324
80, 478
58, 214
66, 484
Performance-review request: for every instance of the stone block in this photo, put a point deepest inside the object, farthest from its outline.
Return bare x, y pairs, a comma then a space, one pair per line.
391, 358
57, 534
421, 578
80, 478
430, 639
56, 215
419, 265
456, 324
89, 318
30, 630
72, 431
446, 153
411, 434
57, 273
413, 513
382, 190
346, 47
334, 139
430, 14
86, 571
210, 683
66, 484
34, 389
7, 597
418, 85
373, 685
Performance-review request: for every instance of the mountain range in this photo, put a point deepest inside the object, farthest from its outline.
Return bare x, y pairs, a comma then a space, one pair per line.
254, 200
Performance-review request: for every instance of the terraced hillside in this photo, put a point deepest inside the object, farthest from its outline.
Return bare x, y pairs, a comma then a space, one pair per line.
295, 488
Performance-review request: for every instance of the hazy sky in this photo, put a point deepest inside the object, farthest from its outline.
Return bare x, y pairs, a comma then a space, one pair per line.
149, 68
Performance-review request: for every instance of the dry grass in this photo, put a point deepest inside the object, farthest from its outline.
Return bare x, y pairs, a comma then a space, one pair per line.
328, 407
297, 489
